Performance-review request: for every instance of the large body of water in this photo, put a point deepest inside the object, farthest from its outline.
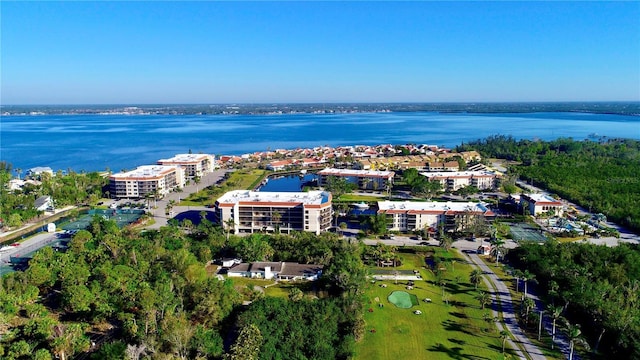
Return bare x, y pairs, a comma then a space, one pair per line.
97, 142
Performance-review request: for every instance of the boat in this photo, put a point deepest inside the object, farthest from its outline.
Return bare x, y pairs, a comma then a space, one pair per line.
361, 206
303, 172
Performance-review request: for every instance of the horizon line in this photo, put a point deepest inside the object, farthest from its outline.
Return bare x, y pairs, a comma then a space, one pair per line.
336, 103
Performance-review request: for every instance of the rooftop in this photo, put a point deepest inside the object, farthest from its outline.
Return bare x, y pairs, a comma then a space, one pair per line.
458, 173
436, 206
185, 158
307, 198
146, 171
541, 198
352, 172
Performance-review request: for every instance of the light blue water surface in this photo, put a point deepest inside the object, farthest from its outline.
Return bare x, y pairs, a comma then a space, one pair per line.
97, 142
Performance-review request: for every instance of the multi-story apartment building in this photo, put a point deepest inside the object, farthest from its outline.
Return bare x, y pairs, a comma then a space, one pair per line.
452, 181
253, 211
193, 164
146, 180
412, 216
365, 179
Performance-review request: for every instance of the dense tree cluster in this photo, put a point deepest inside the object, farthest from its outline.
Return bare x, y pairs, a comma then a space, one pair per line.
602, 176
599, 285
420, 186
153, 291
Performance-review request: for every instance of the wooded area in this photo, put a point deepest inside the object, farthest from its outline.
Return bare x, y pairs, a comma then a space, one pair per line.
153, 294
598, 287
602, 175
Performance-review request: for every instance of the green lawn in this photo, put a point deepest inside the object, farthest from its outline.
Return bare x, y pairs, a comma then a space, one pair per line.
442, 331
359, 198
271, 288
245, 179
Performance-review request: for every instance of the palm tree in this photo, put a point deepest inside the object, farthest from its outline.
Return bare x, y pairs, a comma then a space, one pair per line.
575, 336
275, 219
484, 298
445, 240
526, 277
446, 297
475, 277
554, 312
497, 249
19, 171
504, 335
527, 305
388, 185
231, 224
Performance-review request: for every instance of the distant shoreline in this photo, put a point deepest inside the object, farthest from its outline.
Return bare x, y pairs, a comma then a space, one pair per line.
630, 108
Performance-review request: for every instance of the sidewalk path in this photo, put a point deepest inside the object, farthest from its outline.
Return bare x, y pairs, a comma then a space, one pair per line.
508, 312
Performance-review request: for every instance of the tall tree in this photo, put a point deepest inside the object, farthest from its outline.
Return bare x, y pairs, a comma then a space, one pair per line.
484, 298
574, 334
554, 312
247, 346
475, 277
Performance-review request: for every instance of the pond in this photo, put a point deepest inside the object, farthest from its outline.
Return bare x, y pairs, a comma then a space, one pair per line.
289, 183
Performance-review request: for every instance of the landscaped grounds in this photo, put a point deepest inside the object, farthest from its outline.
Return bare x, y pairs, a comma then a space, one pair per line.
456, 330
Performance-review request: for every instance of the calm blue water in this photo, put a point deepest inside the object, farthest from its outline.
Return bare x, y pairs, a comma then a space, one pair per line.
97, 142
291, 183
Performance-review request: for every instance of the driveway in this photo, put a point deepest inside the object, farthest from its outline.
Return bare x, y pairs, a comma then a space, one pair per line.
158, 212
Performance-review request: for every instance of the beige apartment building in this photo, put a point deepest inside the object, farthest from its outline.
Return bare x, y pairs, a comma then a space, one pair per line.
365, 179
454, 180
255, 211
193, 164
146, 180
412, 216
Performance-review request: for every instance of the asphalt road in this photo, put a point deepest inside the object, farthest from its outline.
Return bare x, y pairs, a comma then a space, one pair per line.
506, 304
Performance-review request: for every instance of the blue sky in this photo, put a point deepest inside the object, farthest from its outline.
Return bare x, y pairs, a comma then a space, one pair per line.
264, 52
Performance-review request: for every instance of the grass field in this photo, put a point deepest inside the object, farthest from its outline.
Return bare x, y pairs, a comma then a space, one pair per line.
359, 198
442, 331
271, 288
238, 180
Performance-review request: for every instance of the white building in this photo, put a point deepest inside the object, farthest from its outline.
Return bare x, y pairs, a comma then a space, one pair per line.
44, 203
287, 271
193, 164
412, 216
146, 180
537, 204
365, 179
454, 180
253, 211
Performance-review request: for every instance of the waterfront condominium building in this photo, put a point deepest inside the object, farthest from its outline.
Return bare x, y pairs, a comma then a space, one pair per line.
412, 216
253, 211
146, 180
454, 180
193, 164
537, 204
365, 179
